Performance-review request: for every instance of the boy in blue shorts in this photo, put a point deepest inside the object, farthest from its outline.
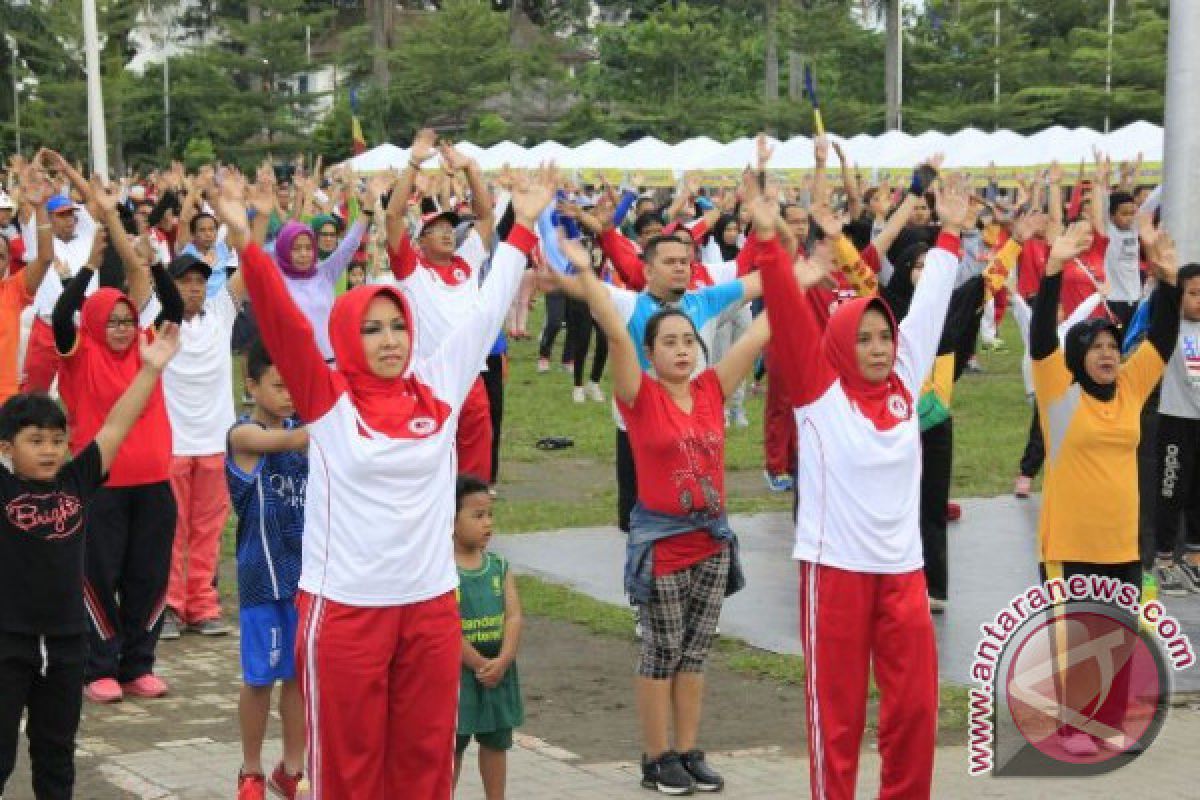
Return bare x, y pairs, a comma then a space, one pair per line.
267, 469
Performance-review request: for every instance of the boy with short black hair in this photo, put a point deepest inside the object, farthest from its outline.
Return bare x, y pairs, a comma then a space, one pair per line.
43, 631
266, 467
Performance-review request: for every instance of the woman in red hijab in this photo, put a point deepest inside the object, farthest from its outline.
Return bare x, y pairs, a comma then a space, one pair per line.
132, 521
863, 597
380, 642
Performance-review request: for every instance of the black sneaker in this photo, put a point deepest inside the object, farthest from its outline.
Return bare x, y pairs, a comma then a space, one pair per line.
1192, 573
666, 774
1170, 580
170, 625
706, 779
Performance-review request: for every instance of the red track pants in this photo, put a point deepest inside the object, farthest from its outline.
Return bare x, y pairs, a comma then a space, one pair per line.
381, 697
779, 424
849, 622
474, 442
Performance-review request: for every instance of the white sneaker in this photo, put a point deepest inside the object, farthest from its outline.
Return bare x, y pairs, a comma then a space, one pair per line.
740, 420
577, 395
594, 392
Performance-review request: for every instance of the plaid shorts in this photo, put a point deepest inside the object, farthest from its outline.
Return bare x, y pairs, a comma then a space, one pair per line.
680, 621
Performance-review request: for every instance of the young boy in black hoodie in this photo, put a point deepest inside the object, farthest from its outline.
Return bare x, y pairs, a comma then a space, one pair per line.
43, 631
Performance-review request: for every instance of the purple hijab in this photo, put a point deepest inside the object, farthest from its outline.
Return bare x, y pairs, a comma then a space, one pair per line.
288, 234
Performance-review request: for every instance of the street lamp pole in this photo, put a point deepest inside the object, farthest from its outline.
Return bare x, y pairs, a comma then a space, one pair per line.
166, 99
12, 46
1108, 65
270, 107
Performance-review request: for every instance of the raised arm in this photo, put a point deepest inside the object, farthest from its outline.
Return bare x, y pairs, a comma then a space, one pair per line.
129, 406
1164, 319
1099, 208
847, 257
187, 212
35, 271
454, 365
397, 208
337, 261
921, 328
54, 160
231, 211
796, 344
622, 350
820, 191
249, 442
62, 319
895, 224
624, 258
1043, 326
288, 336
481, 198
849, 184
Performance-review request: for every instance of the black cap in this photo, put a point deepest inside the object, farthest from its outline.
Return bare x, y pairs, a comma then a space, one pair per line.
186, 263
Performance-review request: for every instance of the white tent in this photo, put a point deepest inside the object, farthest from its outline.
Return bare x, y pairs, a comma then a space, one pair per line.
470, 150
539, 154
980, 149
1124, 144
969, 148
648, 153
795, 153
501, 153
890, 149
595, 154
738, 154
385, 156
692, 151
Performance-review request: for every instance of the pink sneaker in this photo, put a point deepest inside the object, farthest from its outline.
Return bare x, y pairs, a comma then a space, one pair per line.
103, 691
1023, 486
1079, 744
148, 685
283, 784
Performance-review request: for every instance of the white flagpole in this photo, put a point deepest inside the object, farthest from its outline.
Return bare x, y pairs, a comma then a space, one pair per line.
95, 96
1181, 156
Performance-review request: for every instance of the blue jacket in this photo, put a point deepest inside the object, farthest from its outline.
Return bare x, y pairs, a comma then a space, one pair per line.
647, 527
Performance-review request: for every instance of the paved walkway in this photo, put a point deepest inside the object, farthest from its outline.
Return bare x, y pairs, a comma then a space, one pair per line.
201, 770
185, 747
992, 560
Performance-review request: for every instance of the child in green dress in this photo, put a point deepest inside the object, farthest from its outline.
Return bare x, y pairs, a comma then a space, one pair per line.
489, 696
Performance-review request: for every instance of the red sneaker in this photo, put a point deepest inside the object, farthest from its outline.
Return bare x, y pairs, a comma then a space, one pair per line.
953, 512
283, 784
148, 685
103, 691
251, 787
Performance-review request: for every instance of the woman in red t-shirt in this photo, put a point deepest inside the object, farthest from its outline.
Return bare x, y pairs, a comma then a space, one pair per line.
682, 558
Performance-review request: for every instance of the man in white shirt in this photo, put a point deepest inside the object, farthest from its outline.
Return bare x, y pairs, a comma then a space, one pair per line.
73, 229
199, 392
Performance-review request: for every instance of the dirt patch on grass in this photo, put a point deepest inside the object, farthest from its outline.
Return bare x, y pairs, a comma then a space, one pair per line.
578, 689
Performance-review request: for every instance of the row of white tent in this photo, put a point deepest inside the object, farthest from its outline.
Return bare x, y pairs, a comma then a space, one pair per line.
969, 148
